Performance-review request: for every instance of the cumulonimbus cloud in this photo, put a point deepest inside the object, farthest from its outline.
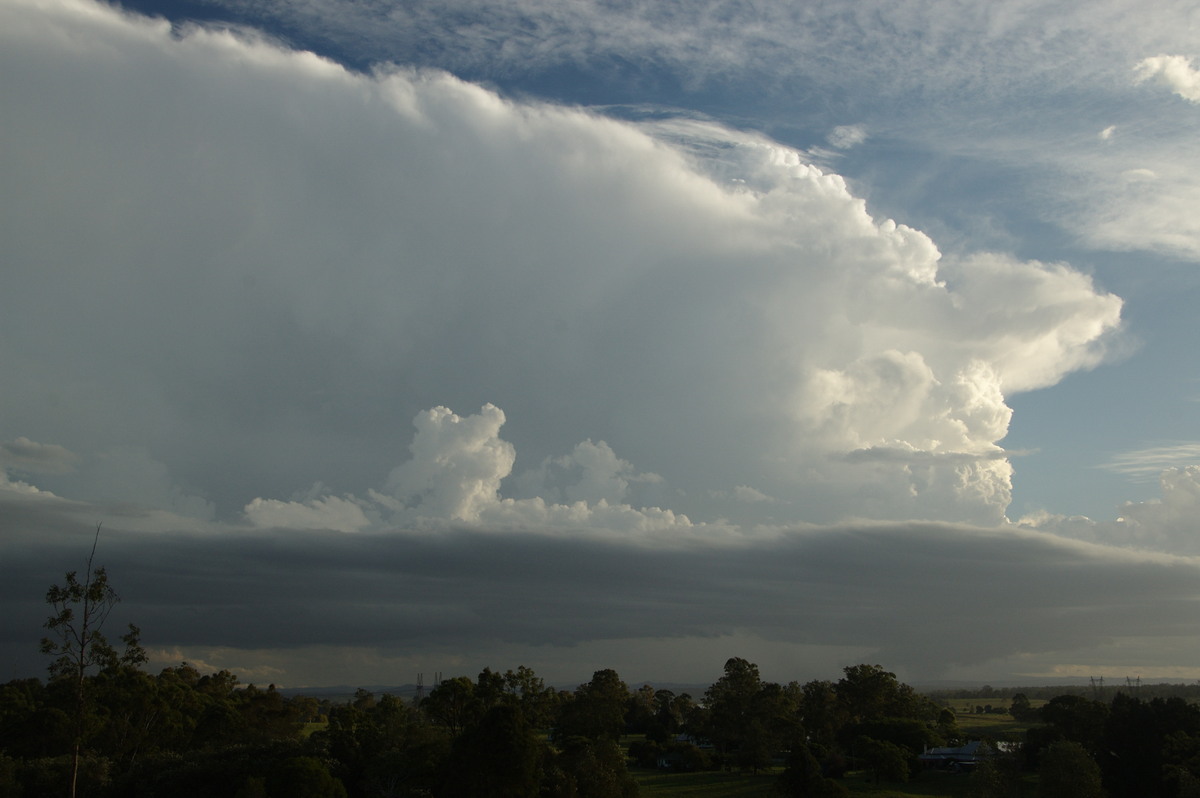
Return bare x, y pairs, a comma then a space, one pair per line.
303, 258
454, 475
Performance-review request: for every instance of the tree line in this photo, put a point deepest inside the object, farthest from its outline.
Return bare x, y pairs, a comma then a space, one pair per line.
1124, 747
182, 733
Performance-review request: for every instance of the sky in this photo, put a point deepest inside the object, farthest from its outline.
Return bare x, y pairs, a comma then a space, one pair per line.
383, 338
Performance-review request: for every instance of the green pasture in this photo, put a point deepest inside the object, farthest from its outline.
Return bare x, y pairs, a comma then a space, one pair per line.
988, 726
931, 783
705, 784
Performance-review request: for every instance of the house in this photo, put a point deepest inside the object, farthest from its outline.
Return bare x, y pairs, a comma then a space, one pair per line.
964, 757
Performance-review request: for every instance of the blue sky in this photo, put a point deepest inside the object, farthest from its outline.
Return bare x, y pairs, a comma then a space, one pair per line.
823, 292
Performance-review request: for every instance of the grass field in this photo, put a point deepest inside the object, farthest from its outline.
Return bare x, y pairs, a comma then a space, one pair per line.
706, 784
987, 726
924, 785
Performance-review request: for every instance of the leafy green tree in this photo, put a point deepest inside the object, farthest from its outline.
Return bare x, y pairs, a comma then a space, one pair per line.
887, 761
666, 719
499, 757
1068, 771
868, 692
803, 778
911, 734
732, 725
537, 701
586, 768
384, 747
30, 725
490, 690
749, 719
130, 715
820, 713
266, 715
996, 776
1077, 719
252, 770
597, 710
306, 777
453, 704
9, 783
1021, 708
947, 726
1181, 762
1185, 783
1149, 748
640, 709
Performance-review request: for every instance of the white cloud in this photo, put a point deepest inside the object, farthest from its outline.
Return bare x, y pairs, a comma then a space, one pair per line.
28, 456
887, 47
247, 665
17, 486
1173, 71
1052, 72
592, 472
130, 474
745, 493
453, 479
325, 512
1146, 207
844, 137
353, 248
1167, 524
1170, 523
457, 464
1138, 175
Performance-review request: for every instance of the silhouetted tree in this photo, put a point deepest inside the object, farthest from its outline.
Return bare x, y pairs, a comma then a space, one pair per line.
453, 704
77, 643
803, 778
868, 692
500, 757
597, 710
1067, 771
1020, 708
586, 768
887, 761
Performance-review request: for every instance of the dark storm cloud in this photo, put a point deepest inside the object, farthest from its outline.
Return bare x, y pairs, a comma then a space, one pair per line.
925, 595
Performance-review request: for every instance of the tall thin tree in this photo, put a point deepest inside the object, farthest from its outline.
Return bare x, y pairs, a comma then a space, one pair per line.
77, 644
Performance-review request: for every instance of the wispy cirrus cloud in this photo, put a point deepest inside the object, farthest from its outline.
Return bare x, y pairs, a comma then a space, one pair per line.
1147, 464
932, 80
